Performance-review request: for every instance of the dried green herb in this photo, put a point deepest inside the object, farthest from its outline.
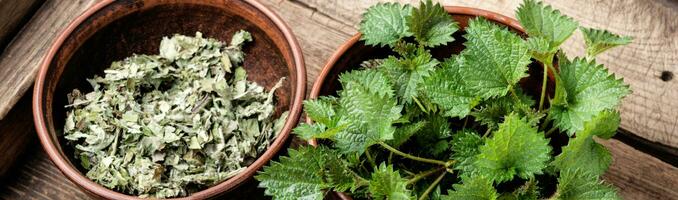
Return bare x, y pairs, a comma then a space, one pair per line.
171, 124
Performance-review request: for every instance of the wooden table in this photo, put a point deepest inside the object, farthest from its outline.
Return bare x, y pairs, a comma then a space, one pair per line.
644, 152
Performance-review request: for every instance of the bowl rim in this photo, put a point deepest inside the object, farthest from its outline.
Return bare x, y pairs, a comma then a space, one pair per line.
458, 10
93, 188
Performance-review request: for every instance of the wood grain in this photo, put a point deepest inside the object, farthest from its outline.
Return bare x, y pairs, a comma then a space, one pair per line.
35, 177
638, 175
19, 63
12, 14
16, 131
322, 28
651, 111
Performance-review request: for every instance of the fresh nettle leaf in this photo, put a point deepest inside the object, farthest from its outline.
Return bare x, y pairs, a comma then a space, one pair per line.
474, 188
434, 135
369, 104
528, 191
546, 24
447, 89
516, 149
385, 23
598, 41
540, 48
465, 146
321, 110
491, 112
586, 154
494, 60
431, 25
318, 131
327, 122
305, 174
404, 133
590, 89
576, 185
408, 74
388, 184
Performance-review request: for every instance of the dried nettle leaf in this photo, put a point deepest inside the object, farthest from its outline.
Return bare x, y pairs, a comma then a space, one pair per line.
168, 125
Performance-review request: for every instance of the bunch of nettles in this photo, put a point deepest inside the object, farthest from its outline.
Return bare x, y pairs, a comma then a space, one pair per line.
413, 126
168, 125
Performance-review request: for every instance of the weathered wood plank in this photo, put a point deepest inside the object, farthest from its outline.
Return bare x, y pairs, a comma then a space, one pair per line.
35, 177
12, 14
319, 35
638, 175
16, 131
20, 61
652, 110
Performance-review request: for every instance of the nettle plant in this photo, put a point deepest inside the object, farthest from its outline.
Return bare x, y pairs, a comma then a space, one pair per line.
412, 126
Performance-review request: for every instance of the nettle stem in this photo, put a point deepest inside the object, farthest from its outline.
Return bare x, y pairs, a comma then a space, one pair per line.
412, 157
369, 158
433, 185
547, 65
361, 181
424, 174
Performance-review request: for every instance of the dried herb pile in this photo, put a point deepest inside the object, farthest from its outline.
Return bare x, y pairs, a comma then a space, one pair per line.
171, 124
412, 126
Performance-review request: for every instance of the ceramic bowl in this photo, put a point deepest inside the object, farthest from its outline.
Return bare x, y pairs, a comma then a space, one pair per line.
113, 30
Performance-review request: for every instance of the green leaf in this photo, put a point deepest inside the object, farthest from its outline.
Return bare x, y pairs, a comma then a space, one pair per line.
494, 60
348, 142
586, 154
387, 184
404, 133
431, 25
491, 112
317, 131
465, 147
577, 185
369, 105
528, 191
303, 174
384, 24
320, 110
540, 49
408, 74
516, 149
434, 135
598, 41
543, 21
475, 188
309, 131
338, 175
590, 89
406, 49
447, 89
604, 125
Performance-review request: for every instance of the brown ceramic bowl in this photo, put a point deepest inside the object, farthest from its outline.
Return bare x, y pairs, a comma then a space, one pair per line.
112, 30
353, 52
